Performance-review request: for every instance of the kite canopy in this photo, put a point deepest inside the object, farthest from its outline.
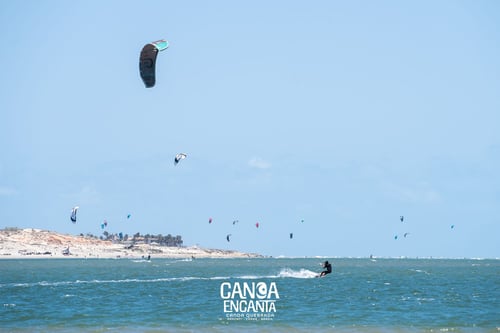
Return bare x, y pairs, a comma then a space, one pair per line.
73, 214
179, 157
147, 61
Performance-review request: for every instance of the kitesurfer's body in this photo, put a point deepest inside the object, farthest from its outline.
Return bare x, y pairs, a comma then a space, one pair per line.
328, 269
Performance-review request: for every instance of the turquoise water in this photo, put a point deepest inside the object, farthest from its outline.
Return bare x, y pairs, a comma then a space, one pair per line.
168, 295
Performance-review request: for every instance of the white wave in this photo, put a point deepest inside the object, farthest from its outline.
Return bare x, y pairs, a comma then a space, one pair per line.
284, 273
254, 277
420, 271
75, 282
184, 260
300, 274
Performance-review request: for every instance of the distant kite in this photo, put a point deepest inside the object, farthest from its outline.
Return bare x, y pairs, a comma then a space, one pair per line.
235, 221
257, 224
179, 157
291, 235
406, 234
227, 237
73, 214
210, 220
147, 61
452, 226
396, 237
302, 221
401, 218
128, 216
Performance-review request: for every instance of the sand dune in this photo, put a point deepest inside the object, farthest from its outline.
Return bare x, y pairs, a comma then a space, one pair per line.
36, 243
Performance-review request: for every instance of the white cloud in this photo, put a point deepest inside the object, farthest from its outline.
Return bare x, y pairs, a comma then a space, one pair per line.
7, 191
87, 195
419, 193
259, 163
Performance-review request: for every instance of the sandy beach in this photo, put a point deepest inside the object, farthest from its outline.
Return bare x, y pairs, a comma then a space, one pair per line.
36, 243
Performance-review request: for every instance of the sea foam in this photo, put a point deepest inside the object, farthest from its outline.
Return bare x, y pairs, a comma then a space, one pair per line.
300, 274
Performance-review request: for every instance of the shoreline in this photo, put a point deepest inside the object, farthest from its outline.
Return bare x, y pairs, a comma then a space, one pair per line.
42, 244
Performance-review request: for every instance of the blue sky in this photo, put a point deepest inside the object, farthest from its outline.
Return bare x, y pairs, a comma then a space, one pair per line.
344, 114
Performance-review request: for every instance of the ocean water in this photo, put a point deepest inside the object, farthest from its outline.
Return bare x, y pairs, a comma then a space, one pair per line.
224, 295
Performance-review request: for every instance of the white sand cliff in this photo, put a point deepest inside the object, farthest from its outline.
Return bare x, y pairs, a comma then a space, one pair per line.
36, 243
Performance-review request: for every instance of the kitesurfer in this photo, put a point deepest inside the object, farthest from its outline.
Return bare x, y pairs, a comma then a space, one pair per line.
328, 269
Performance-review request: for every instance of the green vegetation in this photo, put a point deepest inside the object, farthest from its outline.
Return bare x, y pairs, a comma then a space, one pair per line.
137, 238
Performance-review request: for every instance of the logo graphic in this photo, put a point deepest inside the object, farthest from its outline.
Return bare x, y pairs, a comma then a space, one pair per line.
249, 300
